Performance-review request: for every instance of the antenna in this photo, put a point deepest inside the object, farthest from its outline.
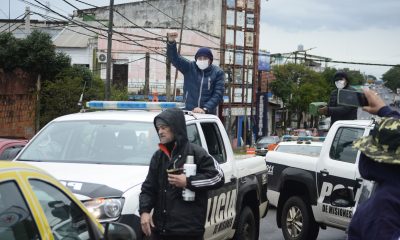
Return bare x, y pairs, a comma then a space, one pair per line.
81, 98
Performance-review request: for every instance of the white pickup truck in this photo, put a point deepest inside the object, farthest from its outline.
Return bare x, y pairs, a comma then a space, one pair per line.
300, 186
103, 157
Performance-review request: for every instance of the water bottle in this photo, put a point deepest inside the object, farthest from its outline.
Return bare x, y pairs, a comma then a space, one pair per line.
189, 169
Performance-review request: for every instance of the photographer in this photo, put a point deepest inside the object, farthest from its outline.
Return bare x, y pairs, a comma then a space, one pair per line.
378, 217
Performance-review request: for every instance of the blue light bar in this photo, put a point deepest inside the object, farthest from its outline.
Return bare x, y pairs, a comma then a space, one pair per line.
130, 105
288, 138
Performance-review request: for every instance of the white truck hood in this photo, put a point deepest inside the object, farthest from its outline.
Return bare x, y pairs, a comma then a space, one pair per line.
95, 180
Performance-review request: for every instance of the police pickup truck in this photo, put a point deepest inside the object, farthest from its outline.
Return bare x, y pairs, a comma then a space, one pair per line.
103, 157
300, 186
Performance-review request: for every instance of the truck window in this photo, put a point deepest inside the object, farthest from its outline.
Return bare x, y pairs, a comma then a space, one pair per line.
193, 134
341, 148
214, 141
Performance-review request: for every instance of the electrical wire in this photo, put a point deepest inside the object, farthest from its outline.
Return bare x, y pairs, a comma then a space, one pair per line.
13, 23
186, 44
115, 10
89, 26
191, 29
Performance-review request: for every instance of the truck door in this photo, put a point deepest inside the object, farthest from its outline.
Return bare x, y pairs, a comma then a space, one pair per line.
338, 169
221, 208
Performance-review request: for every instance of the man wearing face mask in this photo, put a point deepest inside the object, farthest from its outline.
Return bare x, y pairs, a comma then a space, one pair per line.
335, 111
203, 85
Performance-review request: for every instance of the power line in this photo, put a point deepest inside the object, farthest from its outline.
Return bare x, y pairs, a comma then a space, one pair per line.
115, 10
86, 3
179, 22
13, 23
82, 25
186, 44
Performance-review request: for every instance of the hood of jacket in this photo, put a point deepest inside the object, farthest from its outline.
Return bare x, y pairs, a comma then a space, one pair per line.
175, 119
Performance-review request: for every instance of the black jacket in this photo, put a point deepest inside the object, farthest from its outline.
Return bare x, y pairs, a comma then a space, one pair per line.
340, 112
172, 215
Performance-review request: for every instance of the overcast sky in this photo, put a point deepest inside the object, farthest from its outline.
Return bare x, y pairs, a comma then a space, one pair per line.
343, 30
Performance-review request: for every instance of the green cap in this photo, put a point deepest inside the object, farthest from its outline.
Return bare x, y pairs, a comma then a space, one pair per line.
383, 143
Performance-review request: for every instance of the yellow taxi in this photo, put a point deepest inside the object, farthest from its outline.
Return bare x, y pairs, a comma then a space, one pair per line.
34, 205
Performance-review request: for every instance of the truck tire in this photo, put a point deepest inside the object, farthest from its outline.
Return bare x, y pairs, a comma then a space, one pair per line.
246, 228
297, 220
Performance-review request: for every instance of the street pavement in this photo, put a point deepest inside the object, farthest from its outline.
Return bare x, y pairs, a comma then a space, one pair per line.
269, 230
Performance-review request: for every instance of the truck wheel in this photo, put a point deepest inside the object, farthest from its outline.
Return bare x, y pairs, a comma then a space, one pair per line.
297, 220
246, 229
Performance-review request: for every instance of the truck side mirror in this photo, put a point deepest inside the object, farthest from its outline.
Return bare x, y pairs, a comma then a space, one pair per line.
342, 197
119, 231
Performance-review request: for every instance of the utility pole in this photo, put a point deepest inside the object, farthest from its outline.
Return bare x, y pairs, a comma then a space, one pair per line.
168, 78
230, 104
27, 21
179, 47
146, 77
245, 103
109, 46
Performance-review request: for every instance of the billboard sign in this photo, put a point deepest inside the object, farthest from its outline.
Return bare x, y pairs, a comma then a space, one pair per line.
264, 61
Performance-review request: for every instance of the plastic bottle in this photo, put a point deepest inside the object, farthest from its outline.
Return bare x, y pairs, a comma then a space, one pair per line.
189, 169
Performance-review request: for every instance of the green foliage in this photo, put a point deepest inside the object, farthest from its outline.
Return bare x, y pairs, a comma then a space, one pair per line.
391, 78
298, 86
61, 96
35, 55
355, 77
9, 51
37, 52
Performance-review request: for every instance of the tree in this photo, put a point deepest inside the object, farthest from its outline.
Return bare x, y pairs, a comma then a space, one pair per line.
298, 86
9, 52
61, 96
391, 78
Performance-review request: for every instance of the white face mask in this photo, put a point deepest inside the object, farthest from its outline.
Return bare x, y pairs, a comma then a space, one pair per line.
340, 84
202, 64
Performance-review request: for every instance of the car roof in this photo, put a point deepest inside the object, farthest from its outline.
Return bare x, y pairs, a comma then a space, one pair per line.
12, 166
126, 115
4, 141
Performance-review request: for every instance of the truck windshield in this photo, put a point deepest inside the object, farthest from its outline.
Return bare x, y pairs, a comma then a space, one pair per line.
100, 142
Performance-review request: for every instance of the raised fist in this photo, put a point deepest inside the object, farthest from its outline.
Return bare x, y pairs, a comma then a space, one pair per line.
171, 36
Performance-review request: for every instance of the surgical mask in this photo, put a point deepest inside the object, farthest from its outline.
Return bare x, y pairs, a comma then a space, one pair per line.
202, 64
340, 84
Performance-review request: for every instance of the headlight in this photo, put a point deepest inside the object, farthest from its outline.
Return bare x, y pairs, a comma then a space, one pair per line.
105, 209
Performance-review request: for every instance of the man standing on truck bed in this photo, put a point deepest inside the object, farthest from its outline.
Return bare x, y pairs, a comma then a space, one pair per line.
203, 84
173, 217
335, 111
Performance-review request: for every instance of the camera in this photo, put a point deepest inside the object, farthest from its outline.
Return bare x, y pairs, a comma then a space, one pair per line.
351, 98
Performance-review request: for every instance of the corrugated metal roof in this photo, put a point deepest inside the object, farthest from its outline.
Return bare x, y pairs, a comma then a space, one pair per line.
73, 36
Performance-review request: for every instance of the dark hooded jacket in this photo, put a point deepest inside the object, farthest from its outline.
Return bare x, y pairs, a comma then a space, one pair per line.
172, 215
201, 88
340, 112
379, 216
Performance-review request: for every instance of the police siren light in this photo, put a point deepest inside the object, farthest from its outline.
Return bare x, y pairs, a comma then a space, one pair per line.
131, 105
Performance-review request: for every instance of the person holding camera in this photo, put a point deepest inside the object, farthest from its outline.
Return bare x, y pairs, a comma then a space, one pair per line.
203, 84
174, 217
378, 217
335, 111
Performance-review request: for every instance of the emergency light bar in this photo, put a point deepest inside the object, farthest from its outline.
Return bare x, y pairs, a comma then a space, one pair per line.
288, 138
131, 105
